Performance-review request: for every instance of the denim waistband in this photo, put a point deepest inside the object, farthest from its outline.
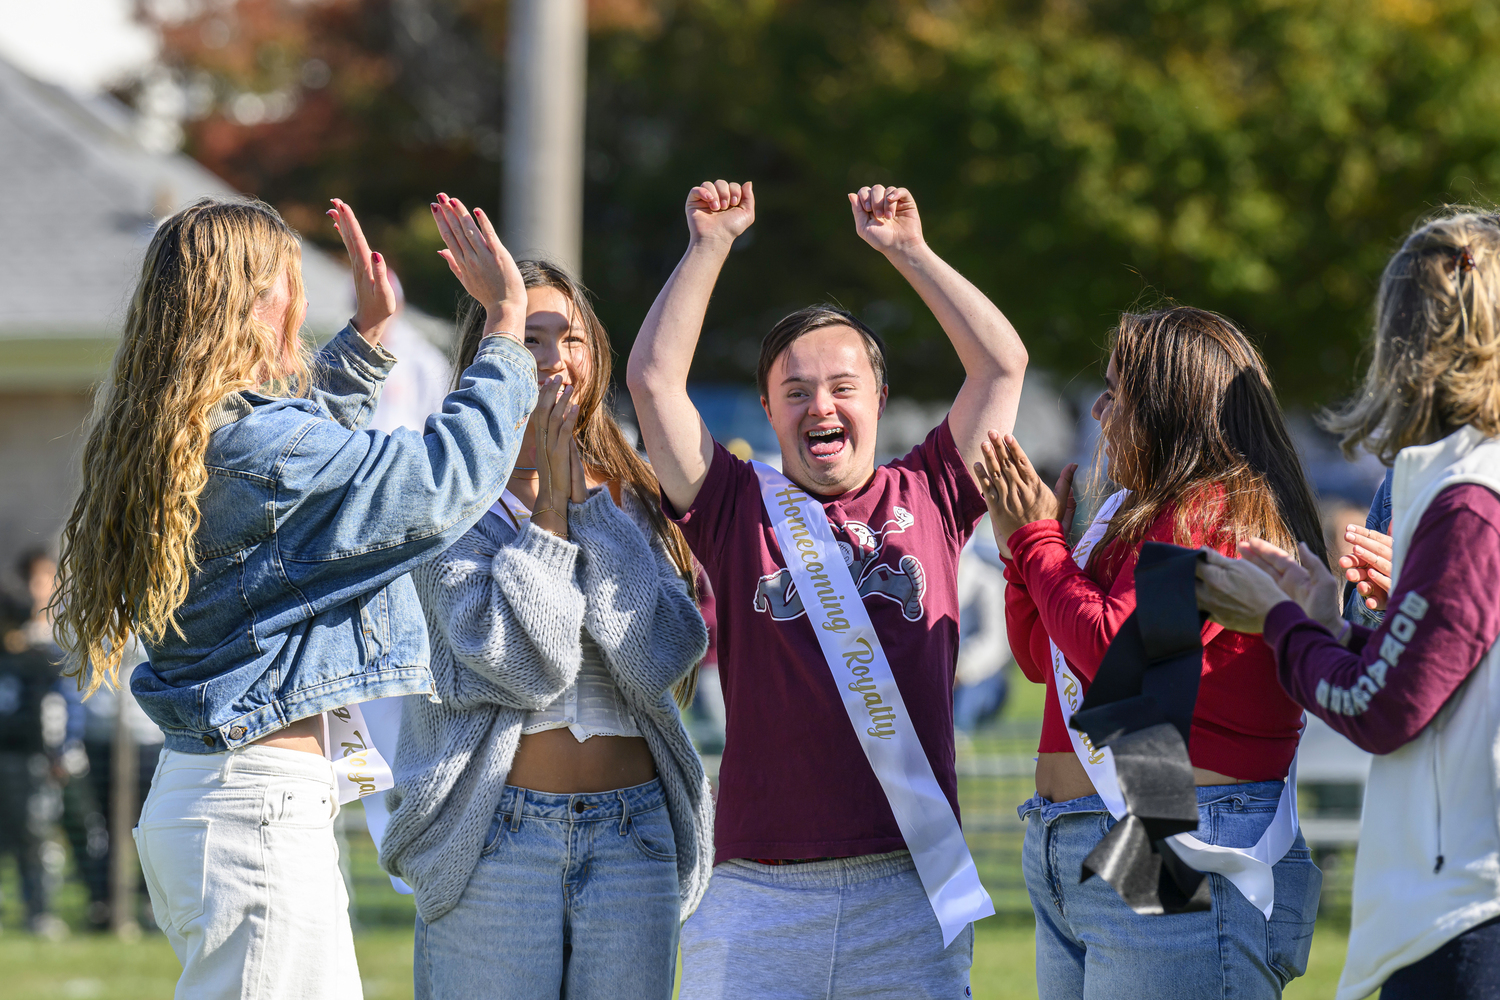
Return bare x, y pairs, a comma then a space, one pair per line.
1207, 795
254, 759
581, 807
829, 874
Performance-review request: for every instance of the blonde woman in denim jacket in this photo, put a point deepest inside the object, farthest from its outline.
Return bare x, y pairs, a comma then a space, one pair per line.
237, 516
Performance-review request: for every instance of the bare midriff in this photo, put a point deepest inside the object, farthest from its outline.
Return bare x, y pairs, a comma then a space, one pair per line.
1060, 777
554, 761
304, 734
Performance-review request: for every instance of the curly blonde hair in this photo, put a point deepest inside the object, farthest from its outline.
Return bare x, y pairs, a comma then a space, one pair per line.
190, 339
1436, 365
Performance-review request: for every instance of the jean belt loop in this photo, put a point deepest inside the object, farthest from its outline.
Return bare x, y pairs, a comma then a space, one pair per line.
515, 812
624, 812
227, 771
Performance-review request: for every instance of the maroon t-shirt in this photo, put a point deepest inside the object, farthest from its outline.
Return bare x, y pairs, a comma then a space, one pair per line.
794, 781
1439, 624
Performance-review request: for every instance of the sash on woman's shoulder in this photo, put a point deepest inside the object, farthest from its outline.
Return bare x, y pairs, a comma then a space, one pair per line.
1248, 868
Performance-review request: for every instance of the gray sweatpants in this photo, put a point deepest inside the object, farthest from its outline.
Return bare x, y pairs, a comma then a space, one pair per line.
826, 930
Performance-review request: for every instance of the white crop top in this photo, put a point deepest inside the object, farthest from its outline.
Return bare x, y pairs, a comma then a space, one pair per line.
592, 706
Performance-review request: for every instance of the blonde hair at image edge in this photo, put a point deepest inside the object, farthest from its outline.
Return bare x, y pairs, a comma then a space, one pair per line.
1436, 364
189, 341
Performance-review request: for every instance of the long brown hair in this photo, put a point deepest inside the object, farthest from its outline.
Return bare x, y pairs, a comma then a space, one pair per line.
1196, 426
1436, 366
605, 451
190, 340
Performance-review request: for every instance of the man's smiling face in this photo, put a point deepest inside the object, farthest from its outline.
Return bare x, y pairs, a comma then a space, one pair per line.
824, 403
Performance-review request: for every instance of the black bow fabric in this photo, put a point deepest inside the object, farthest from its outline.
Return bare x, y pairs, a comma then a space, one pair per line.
1140, 705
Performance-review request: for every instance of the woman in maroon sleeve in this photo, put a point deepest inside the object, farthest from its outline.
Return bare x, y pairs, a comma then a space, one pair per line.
1423, 690
1192, 430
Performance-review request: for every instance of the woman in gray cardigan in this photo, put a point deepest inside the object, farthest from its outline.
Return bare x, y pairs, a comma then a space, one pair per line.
550, 811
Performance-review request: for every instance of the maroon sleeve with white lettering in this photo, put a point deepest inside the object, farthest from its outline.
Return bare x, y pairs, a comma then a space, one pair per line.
1442, 619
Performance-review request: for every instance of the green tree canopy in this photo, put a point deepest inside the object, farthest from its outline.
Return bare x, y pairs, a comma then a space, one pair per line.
1074, 158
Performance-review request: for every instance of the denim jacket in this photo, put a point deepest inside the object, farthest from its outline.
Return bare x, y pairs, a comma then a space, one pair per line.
301, 600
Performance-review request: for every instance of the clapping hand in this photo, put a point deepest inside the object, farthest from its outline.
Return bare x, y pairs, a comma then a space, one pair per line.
719, 211
1236, 593
886, 218
374, 298
483, 266
1304, 578
560, 477
1016, 495
1239, 593
1369, 567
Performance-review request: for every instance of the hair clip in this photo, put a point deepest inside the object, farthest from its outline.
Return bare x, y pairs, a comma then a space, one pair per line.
1465, 259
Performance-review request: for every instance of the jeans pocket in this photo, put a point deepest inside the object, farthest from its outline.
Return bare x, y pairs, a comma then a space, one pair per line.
651, 832
174, 861
1299, 884
498, 825
307, 804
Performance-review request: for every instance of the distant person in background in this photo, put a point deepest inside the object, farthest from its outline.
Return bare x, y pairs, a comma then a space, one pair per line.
1421, 691
980, 685
33, 730
1367, 567
418, 385
84, 804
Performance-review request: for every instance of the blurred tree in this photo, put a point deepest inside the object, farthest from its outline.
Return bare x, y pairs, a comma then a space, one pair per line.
1260, 157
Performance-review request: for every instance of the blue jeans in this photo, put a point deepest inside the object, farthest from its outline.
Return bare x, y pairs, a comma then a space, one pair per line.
574, 897
1090, 944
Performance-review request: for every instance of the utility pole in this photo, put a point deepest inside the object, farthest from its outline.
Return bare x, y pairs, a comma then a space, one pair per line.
542, 193
124, 790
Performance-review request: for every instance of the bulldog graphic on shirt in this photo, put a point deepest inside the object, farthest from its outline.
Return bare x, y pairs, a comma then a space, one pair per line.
905, 583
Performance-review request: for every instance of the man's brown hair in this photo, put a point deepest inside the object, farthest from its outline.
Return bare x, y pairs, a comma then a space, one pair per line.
805, 321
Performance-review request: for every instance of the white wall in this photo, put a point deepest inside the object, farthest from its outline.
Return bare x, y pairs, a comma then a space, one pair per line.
40, 444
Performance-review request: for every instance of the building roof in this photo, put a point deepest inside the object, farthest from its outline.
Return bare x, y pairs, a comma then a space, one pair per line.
81, 196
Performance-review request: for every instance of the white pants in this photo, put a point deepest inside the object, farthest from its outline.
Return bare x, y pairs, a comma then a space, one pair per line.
240, 859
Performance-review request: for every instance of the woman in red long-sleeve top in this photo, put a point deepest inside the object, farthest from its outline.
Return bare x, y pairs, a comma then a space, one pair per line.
1191, 427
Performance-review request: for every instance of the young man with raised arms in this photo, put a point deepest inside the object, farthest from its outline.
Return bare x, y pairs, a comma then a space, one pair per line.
841, 870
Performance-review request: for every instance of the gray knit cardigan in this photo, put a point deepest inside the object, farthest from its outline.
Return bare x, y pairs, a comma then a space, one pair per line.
505, 613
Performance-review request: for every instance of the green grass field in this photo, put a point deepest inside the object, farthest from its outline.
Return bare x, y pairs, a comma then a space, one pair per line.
86, 966
83, 967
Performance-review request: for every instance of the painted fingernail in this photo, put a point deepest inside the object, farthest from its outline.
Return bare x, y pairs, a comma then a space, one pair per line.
375, 256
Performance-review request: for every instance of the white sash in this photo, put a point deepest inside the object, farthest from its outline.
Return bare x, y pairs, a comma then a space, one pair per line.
876, 710
358, 767
512, 509
1249, 868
